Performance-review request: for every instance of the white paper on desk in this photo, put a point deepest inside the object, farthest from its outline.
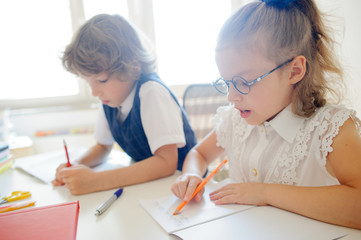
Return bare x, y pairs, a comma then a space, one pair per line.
193, 213
43, 166
264, 222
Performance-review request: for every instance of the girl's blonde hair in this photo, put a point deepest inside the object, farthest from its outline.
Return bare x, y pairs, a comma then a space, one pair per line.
288, 30
109, 44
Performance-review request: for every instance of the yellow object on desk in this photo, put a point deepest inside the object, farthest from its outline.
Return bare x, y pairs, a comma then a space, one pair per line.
16, 206
16, 195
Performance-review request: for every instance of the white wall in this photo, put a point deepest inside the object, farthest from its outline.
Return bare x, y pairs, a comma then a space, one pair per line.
28, 124
64, 120
346, 19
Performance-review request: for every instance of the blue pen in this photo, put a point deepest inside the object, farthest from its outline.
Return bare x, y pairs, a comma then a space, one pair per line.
104, 206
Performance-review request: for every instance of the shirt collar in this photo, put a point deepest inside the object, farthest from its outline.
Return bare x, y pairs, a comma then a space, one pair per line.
127, 104
287, 124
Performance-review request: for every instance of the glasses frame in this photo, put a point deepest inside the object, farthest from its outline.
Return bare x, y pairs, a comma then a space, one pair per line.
249, 84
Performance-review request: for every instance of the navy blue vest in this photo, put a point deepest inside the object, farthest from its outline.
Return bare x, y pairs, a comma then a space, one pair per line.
130, 134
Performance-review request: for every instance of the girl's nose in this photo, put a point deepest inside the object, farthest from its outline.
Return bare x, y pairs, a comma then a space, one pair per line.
233, 94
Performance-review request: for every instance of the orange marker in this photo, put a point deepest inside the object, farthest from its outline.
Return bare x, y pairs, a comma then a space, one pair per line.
66, 152
200, 186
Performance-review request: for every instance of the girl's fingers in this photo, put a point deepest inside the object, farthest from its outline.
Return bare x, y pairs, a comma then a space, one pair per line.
192, 185
179, 190
199, 195
175, 190
180, 186
223, 192
185, 186
227, 199
222, 189
217, 195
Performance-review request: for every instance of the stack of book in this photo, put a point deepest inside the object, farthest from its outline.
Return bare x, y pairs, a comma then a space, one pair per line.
6, 159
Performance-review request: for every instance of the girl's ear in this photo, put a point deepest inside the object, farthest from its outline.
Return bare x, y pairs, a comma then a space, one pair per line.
297, 69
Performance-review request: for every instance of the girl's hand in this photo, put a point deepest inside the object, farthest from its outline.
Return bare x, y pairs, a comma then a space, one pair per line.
240, 193
185, 185
79, 179
58, 181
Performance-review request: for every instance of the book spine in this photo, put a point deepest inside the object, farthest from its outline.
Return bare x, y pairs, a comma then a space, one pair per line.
3, 146
6, 166
4, 153
5, 160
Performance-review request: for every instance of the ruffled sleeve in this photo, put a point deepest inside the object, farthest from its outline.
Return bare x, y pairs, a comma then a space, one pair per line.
223, 125
333, 118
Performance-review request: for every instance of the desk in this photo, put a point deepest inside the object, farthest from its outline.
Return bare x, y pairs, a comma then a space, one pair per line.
125, 219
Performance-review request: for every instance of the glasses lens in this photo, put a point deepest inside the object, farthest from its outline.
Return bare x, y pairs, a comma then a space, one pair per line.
241, 84
221, 86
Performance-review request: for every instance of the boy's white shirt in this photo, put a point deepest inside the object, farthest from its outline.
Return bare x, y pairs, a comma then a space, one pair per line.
160, 115
287, 150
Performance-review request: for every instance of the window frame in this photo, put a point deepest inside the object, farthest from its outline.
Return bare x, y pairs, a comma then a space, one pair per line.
83, 98
140, 14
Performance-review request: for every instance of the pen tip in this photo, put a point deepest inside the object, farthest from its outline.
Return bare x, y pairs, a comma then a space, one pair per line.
176, 212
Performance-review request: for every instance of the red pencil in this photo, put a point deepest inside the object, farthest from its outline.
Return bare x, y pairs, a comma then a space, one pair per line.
67, 155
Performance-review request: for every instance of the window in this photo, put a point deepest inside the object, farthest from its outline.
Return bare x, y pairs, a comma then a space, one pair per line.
92, 8
35, 33
30, 45
186, 33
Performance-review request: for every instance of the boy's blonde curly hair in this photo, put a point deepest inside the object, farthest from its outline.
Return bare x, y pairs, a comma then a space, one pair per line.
107, 44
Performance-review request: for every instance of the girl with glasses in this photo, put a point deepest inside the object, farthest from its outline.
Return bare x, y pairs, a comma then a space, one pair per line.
288, 144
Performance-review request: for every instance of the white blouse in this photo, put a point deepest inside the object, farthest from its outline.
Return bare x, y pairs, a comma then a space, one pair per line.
160, 114
287, 150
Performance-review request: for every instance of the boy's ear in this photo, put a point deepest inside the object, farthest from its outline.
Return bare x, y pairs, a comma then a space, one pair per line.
297, 69
137, 70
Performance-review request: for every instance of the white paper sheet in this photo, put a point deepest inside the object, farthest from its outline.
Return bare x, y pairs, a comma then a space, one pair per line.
264, 223
193, 213
43, 166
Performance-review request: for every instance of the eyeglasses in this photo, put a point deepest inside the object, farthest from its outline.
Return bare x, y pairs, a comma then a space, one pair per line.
241, 84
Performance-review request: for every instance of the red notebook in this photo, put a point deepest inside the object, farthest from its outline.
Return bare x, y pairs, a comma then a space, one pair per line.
55, 222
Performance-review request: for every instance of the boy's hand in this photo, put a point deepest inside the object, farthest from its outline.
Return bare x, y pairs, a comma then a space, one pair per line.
79, 179
185, 185
240, 193
58, 181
